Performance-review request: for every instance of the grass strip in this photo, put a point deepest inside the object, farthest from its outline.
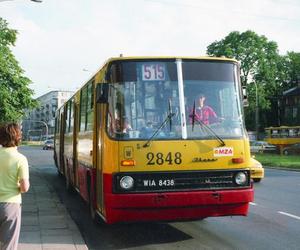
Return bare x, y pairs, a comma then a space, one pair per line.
281, 161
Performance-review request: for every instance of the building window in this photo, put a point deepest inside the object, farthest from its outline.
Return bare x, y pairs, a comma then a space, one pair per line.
295, 111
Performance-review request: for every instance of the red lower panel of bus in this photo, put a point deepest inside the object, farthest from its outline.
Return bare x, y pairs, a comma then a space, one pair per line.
172, 206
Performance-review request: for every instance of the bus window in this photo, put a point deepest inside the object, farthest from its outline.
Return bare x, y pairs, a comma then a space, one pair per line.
138, 108
90, 106
67, 117
213, 100
86, 107
83, 108
274, 133
71, 115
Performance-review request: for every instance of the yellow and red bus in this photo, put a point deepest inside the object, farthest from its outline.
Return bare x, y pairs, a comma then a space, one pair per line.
283, 136
129, 143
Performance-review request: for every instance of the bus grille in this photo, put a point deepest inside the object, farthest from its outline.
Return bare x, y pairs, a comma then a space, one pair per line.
176, 181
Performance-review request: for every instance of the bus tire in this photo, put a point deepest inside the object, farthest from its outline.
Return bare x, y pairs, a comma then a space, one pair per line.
59, 173
257, 180
92, 210
69, 186
91, 207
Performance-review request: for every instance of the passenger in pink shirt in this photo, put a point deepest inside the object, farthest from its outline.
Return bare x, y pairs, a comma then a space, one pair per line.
203, 113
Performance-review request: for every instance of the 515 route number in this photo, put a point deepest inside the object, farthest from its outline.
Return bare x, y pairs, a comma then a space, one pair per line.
160, 158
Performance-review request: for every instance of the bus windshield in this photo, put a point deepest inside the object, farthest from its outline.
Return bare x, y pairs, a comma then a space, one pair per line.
174, 99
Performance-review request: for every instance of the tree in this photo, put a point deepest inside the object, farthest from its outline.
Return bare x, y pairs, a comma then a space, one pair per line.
293, 68
15, 94
260, 62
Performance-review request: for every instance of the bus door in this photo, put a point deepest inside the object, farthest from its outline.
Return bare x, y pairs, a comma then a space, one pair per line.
98, 148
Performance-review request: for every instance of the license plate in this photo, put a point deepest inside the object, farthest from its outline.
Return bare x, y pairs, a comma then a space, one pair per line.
159, 183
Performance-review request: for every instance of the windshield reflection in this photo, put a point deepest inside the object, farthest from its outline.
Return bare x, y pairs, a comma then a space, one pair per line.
139, 109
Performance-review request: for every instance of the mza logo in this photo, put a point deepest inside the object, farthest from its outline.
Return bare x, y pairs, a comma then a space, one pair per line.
224, 151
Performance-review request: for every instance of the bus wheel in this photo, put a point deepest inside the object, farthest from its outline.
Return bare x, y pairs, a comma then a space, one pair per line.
256, 179
69, 187
91, 205
92, 211
59, 173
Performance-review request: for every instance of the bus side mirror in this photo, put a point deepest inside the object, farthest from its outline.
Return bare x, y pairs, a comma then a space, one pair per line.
102, 93
245, 97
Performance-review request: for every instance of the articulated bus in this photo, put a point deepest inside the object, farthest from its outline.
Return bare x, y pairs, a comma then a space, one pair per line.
129, 142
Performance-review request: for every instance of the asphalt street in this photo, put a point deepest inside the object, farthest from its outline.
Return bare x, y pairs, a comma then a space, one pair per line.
273, 221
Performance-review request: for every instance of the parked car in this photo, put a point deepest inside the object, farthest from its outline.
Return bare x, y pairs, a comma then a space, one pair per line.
292, 150
257, 171
261, 147
48, 144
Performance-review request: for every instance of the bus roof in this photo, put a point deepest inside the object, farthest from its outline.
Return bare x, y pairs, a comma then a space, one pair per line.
205, 58
282, 127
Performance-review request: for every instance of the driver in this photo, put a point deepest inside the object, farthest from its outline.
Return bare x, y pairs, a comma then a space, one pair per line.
203, 113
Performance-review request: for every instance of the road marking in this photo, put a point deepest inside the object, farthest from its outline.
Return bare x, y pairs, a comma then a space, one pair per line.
253, 204
290, 215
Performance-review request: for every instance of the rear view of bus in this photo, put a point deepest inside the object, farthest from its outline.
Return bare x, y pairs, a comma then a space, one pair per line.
157, 155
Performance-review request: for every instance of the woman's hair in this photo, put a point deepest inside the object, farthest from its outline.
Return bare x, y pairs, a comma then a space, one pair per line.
200, 95
10, 135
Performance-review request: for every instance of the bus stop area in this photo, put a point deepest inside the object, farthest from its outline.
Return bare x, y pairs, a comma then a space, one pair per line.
46, 224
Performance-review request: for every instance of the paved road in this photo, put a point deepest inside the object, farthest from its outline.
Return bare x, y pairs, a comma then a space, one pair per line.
273, 221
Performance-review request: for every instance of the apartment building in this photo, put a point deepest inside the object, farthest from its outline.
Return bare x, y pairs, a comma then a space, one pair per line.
39, 123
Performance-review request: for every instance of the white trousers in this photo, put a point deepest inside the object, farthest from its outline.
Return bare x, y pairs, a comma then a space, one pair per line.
10, 224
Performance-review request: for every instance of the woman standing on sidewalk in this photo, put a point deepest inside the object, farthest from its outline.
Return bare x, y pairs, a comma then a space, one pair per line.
14, 180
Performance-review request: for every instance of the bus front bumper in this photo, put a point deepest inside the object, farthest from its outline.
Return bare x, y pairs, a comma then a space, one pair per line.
176, 206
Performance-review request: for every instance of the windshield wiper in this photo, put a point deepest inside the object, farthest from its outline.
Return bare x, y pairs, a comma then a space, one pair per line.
168, 119
209, 129
193, 115
170, 112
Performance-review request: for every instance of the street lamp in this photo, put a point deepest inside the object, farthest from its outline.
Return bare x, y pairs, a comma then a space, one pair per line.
44, 123
256, 111
37, 1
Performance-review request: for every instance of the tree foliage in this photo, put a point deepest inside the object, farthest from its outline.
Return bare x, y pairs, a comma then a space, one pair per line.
15, 94
293, 69
260, 67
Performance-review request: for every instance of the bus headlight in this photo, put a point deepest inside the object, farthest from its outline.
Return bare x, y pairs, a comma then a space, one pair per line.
126, 182
240, 178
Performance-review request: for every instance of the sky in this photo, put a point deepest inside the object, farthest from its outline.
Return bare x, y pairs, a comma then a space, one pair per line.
61, 43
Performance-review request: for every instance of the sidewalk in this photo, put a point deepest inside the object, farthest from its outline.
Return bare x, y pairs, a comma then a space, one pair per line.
46, 224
